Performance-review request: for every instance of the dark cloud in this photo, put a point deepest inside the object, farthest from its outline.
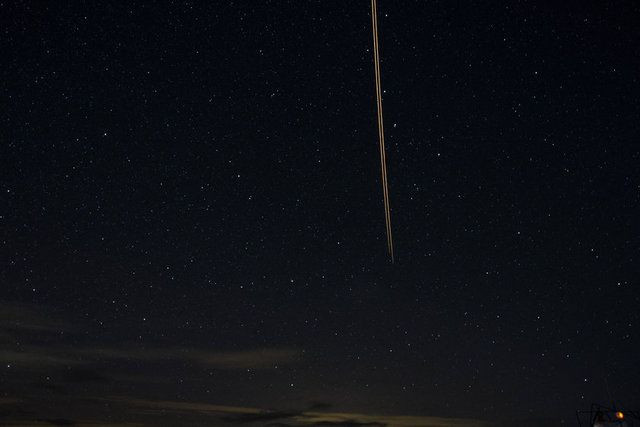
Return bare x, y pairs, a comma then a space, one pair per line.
39, 358
65, 355
275, 415
59, 422
234, 415
260, 417
70, 370
349, 423
261, 358
13, 411
130, 411
320, 406
84, 376
49, 386
19, 318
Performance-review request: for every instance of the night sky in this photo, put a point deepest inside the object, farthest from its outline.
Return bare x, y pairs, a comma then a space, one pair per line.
192, 229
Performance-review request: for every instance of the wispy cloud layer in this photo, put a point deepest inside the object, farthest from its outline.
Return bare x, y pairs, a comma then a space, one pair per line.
249, 415
260, 358
55, 374
156, 412
20, 321
16, 318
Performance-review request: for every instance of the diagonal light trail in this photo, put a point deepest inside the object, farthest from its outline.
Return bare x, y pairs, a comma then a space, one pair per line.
383, 159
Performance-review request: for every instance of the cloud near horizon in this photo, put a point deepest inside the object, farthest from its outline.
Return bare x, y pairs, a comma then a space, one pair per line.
30, 324
143, 412
43, 365
252, 415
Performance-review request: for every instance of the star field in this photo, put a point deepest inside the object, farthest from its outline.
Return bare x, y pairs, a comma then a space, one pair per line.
192, 219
